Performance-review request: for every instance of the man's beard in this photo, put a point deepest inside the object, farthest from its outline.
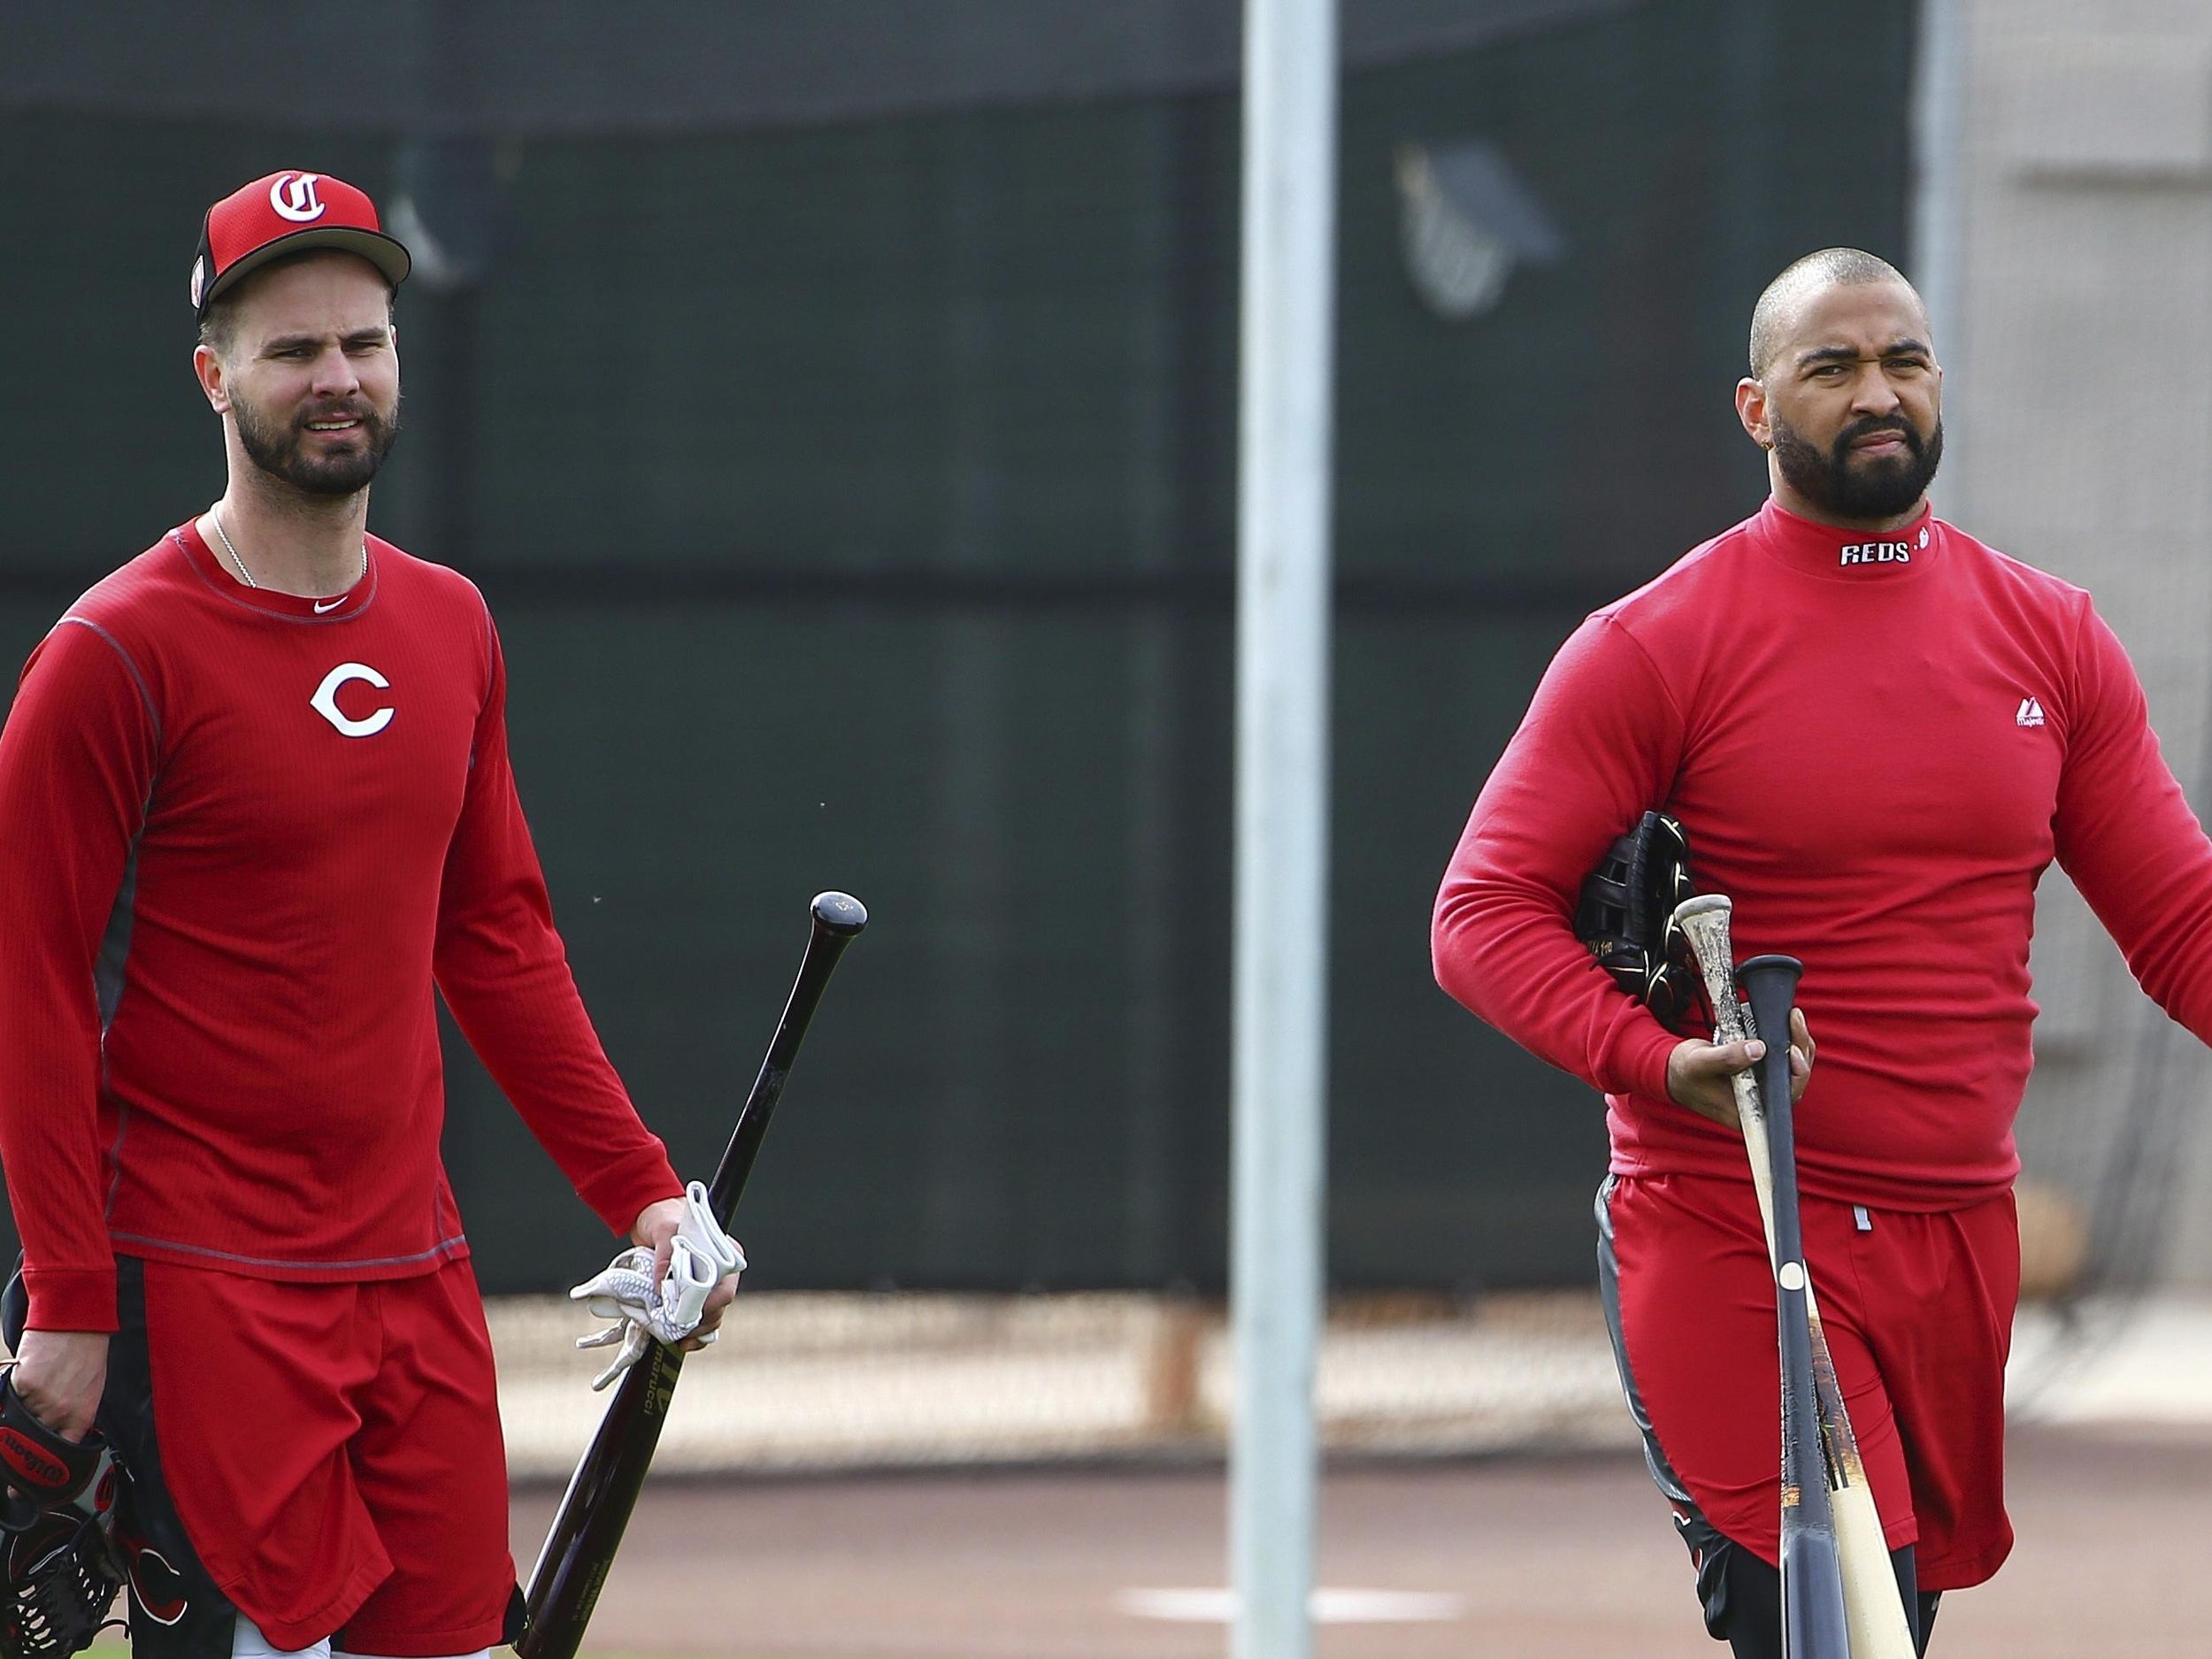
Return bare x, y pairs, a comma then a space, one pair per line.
1858, 488
278, 448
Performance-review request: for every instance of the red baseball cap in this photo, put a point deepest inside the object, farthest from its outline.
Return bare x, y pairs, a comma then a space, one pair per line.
287, 213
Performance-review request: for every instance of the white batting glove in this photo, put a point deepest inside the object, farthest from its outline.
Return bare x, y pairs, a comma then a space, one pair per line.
634, 1340
700, 1256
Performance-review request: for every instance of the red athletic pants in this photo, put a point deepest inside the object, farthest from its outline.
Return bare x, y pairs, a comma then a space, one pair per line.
334, 1453
1917, 1308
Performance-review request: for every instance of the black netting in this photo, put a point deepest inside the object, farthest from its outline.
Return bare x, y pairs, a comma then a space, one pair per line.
854, 483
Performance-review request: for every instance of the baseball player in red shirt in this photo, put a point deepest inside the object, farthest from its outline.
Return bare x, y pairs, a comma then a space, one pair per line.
255, 815
1877, 733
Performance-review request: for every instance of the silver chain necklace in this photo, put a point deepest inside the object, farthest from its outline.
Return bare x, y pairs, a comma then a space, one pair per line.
230, 548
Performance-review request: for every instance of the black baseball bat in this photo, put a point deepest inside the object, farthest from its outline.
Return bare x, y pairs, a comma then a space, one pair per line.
587, 1527
1814, 1623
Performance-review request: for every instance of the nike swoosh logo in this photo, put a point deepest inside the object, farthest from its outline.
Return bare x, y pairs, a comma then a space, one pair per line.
321, 606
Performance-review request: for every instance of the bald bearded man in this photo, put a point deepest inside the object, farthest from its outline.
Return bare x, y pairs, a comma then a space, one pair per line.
1878, 733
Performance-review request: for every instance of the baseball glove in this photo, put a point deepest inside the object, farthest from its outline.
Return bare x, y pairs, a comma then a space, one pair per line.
58, 1574
1625, 916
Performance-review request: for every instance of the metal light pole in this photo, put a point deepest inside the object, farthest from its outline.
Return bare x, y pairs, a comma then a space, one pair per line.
1278, 1065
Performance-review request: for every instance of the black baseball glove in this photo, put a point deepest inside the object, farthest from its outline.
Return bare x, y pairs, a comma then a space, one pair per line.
58, 1577
1625, 915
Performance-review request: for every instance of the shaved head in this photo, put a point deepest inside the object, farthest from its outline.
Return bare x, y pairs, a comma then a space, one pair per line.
1845, 393
1831, 267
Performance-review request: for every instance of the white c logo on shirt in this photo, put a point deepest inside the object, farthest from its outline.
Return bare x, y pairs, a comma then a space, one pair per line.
324, 702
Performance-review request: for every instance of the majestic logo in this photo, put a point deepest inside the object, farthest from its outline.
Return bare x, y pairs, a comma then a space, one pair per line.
2031, 712
294, 198
324, 702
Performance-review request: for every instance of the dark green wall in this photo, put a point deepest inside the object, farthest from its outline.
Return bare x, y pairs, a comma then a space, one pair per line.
857, 504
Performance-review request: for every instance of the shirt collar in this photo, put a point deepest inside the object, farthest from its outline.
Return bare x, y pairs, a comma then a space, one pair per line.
219, 580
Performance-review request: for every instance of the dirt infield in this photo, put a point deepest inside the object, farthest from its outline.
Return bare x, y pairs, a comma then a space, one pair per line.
1550, 1559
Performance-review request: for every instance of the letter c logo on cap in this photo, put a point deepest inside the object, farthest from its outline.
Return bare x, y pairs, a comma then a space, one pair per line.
324, 702
294, 198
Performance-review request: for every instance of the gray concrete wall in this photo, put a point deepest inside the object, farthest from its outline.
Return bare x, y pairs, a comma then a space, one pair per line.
2074, 253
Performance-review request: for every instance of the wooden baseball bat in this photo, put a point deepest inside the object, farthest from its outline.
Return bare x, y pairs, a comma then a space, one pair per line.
1874, 1610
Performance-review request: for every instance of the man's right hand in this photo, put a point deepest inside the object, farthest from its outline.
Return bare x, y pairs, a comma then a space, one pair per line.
1698, 1072
60, 1375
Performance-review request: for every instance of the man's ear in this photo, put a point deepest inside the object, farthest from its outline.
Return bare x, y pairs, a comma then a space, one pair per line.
1751, 409
207, 368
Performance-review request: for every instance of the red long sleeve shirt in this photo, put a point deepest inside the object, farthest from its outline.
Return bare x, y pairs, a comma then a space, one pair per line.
242, 835
1877, 745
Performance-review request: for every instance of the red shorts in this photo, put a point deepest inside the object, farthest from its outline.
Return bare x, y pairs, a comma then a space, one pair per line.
334, 1454
1917, 1308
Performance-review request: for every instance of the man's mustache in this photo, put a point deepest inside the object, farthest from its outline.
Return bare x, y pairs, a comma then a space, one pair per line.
1873, 424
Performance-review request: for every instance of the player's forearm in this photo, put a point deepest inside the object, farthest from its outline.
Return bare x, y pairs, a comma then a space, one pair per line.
49, 1148
2151, 886
2125, 832
1512, 960
1502, 940
50, 1142
48, 1145
49, 1083
520, 1010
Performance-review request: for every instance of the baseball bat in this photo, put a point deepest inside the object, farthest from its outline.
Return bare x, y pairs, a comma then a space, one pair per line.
1874, 1609
1814, 1623
588, 1528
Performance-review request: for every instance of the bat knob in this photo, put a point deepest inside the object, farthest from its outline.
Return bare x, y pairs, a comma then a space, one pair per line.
839, 912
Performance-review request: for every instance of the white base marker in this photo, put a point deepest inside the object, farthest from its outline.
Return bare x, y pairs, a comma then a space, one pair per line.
1327, 1607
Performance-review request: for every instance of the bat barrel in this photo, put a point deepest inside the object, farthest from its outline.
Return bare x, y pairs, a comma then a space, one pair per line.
839, 913
588, 1528
838, 918
1704, 922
